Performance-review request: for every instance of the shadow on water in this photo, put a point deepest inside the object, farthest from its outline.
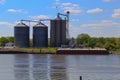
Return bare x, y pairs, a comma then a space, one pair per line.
39, 67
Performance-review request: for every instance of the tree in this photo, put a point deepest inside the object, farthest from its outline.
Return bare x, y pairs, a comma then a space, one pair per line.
110, 46
3, 40
10, 39
83, 39
92, 42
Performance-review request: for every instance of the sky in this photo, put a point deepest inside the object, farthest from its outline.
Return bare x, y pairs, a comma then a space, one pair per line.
98, 18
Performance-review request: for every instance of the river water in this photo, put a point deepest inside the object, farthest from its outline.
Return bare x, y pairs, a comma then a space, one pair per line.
59, 67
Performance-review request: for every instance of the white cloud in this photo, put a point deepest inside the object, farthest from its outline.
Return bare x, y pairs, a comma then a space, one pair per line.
2, 1
16, 11
107, 0
2, 23
6, 28
6, 24
57, 2
39, 17
68, 6
96, 10
116, 13
75, 20
73, 8
103, 28
73, 11
103, 23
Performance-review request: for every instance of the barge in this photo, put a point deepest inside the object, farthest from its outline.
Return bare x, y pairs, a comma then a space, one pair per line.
84, 51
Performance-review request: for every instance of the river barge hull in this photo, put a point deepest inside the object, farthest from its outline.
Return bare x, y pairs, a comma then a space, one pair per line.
83, 51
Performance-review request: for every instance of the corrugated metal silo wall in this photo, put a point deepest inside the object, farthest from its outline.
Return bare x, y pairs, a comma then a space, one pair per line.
63, 32
21, 35
40, 36
53, 33
58, 33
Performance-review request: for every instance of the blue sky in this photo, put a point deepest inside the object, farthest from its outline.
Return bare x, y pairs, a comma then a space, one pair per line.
99, 18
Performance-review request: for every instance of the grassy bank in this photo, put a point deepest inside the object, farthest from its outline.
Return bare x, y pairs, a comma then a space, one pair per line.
115, 52
52, 50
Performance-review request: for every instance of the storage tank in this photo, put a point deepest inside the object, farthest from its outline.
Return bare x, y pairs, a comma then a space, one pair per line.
58, 32
40, 35
21, 35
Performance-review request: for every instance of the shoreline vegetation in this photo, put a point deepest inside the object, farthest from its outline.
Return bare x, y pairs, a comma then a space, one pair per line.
112, 44
44, 50
115, 52
61, 51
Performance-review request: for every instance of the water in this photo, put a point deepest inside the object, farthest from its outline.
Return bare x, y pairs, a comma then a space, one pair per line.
59, 67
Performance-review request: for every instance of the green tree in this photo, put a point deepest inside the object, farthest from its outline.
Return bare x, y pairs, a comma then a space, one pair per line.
92, 42
83, 39
110, 46
3, 40
10, 39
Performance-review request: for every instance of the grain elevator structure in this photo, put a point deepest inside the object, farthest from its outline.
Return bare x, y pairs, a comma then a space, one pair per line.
58, 32
40, 35
21, 35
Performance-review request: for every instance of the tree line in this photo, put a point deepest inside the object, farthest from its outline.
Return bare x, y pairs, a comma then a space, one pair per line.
110, 43
4, 40
83, 40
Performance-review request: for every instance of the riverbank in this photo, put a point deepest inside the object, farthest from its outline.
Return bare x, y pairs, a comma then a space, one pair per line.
115, 52
27, 50
66, 51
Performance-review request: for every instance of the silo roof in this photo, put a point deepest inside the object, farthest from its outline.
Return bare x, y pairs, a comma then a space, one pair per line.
40, 25
21, 24
58, 18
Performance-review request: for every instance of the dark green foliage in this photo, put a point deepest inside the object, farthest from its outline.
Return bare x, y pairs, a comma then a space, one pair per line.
83, 39
101, 42
10, 39
4, 40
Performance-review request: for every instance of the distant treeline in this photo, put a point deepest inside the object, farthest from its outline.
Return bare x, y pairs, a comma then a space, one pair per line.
4, 40
83, 40
110, 43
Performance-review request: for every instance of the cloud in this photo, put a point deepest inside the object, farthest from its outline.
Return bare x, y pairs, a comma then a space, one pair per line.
7, 24
103, 23
2, 23
103, 28
6, 28
107, 0
16, 11
57, 2
75, 20
116, 13
2, 1
68, 6
96, 10
39, 17
73, 8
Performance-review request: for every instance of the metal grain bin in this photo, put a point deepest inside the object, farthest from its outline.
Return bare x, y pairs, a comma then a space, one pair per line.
40, 35
58, 32
21, 35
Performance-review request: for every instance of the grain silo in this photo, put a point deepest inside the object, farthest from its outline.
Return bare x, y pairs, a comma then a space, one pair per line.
21, 35
58, 32
40, 35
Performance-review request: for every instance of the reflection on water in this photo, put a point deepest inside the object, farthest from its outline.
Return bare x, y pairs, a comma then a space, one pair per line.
40, 67
21, 67
59, 67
